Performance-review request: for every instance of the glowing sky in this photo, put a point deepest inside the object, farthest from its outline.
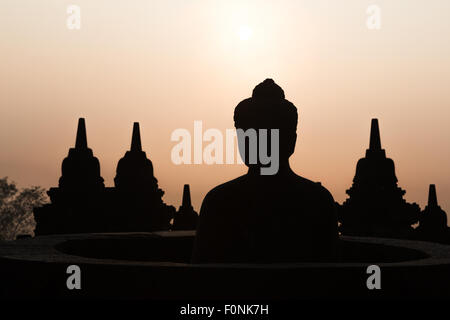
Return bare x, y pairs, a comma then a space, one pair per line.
168, 63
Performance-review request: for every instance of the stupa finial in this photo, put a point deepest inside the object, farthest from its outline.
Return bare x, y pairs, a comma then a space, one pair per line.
81, 140
432, 197
375, 141
186, 197
136, 138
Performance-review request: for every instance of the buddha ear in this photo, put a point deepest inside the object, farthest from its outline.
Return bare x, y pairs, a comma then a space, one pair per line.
292, 142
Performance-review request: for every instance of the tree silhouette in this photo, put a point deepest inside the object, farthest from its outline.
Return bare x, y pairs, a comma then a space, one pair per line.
16, 208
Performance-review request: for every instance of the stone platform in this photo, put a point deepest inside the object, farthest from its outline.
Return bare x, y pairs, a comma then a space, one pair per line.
156, 265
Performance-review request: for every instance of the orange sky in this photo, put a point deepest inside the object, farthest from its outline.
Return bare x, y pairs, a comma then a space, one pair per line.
168, 63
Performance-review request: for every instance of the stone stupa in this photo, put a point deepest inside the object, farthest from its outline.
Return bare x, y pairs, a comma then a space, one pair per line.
139, 205
375, 206
76, 203
186, 217
433, 220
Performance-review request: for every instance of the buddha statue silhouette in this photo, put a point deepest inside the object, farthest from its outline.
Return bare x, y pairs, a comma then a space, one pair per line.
259, 218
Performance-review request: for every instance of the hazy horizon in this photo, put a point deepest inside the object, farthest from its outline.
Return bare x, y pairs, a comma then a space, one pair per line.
166, 64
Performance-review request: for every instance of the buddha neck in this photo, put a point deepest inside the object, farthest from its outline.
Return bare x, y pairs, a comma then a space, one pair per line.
284, 169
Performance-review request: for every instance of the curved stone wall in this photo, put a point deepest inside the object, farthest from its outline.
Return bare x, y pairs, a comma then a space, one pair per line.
156, 265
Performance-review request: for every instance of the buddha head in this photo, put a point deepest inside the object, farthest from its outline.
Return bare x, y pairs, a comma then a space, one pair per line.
266, 126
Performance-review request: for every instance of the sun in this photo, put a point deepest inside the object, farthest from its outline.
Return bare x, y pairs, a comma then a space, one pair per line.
245, 32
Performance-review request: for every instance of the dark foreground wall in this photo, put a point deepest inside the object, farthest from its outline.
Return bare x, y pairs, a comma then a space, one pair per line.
156, 265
